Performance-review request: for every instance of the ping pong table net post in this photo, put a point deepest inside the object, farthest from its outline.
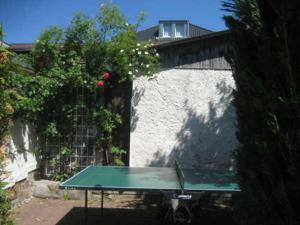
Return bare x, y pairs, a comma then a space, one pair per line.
180, 175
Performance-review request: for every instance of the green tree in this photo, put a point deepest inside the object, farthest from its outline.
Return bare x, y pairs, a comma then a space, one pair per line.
76, 58
266, 56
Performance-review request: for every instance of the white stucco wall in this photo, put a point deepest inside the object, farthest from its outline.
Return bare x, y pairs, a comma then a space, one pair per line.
22, 159
183, 114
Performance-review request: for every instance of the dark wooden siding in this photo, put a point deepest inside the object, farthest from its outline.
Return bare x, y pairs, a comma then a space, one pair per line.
120, 98
201, 54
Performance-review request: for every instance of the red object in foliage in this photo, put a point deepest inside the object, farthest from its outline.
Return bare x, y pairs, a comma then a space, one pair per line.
106, 75
100, 84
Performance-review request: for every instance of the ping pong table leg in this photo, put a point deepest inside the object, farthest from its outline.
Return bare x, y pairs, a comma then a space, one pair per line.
102, 200
161, 197
86, 207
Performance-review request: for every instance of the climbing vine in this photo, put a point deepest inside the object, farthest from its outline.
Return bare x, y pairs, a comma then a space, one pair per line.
7, 97
93, 55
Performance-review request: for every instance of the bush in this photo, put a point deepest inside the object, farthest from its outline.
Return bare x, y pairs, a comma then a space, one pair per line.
266, 58
6, 111
5, 208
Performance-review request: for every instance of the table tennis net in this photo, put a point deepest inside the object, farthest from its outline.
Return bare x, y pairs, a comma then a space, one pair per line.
180, 175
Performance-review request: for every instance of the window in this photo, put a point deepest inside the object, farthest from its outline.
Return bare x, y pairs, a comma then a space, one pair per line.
179, 32
167, 31
173, 29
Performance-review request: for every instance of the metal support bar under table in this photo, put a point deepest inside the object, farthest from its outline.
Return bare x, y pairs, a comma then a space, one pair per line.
86, 207
102, 200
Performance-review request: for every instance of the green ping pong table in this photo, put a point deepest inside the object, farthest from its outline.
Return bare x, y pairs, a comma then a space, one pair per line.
150, 179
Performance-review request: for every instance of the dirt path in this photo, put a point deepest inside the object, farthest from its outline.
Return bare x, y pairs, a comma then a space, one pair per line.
122, 210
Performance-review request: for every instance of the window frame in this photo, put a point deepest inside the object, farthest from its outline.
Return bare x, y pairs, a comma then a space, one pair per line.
183, 30
163, 30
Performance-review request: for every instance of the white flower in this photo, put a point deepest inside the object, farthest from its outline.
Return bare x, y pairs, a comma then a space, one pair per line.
126, 24
37, 40
137, 70
130, 64
147, 66
138, 44
157, 54
133, 50
137, 49
130, 72
146, 53
148, 72
139, 52
121, 50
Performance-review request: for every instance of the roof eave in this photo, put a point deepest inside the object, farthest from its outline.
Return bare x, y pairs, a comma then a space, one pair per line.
191, 40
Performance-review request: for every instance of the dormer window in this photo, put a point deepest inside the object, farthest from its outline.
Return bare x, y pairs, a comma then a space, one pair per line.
173, 29
167, 30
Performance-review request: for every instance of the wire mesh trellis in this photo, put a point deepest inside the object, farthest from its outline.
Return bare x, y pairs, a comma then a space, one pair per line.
82, 141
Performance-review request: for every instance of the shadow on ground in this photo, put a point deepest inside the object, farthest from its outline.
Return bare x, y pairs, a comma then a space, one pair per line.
113, 216
119, 210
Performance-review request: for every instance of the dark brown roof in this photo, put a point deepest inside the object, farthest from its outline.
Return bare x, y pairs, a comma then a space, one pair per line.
152, 33
27, 47
23, 47
148, 34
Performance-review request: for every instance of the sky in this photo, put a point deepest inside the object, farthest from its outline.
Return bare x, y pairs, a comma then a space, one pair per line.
24, 20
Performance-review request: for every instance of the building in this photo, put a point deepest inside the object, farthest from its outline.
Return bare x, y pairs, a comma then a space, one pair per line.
172, 30
21, 47
185, 111
2, 43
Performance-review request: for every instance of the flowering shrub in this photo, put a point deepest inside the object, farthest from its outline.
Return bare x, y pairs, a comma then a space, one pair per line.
82, 57
6, 111
106, 76
6, 108
131, 58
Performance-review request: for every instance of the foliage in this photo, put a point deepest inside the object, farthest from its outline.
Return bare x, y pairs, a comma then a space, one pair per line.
117, 154
51, 130
61, 164
6, 108
5, 208
5, 205
131, 59
106, 120
6, 111
111, 21
266, 60
74, 59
